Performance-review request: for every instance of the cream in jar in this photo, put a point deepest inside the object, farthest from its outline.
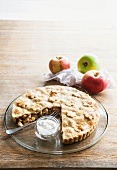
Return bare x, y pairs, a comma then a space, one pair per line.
47, 127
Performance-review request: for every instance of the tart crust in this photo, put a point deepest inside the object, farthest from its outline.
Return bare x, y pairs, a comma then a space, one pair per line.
79, 112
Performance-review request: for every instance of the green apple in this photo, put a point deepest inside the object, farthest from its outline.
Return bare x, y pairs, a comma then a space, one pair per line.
88, 62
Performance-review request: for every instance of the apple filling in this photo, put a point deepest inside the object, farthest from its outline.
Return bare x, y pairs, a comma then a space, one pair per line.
28, 118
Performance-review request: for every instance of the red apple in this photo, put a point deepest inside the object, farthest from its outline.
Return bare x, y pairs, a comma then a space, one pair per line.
94, 81
58, 64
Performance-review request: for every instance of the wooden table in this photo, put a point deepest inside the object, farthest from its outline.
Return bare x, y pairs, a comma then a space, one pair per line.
25, 49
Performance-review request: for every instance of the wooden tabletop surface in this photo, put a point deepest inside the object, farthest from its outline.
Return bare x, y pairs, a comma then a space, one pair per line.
25, 50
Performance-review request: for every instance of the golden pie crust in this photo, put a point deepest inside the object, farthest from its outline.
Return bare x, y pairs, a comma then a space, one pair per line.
78, 111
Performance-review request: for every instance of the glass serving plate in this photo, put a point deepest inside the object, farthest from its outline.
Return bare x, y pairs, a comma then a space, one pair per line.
27, 138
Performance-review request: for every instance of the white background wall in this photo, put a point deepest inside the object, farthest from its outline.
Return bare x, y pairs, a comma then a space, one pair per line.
89, 10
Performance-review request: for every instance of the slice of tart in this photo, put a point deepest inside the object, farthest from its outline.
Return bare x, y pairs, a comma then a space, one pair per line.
79, 113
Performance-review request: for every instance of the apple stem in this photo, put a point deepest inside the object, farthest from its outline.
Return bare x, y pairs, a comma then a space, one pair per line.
96, 74
59, 57
85, 63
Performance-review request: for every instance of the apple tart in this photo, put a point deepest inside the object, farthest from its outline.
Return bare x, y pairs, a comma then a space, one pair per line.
79, 112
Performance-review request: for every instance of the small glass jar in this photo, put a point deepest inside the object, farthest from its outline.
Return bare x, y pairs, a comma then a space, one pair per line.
47, 127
